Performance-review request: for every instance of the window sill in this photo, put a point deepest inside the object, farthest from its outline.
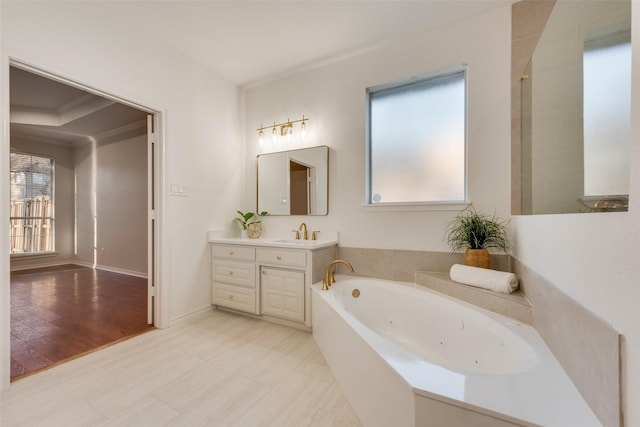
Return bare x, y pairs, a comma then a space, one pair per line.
34, 255
410, 207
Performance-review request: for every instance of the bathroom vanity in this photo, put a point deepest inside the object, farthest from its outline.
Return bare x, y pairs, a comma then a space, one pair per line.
268, 278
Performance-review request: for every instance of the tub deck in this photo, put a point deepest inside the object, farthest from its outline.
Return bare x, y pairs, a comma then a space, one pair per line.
384, 380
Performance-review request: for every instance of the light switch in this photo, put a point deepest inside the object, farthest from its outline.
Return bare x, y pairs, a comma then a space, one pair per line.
179, 190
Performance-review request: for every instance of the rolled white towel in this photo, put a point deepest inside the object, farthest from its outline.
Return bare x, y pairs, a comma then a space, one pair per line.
498, 281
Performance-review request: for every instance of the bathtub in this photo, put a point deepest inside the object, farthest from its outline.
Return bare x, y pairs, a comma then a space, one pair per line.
407, 356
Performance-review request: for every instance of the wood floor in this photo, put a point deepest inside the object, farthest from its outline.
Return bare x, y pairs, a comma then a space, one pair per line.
211, 369
60, 313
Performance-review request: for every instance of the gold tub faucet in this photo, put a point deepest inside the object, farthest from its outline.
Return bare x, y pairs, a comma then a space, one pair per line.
329, 279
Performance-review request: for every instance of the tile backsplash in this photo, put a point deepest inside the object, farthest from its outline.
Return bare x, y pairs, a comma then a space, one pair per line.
401, 265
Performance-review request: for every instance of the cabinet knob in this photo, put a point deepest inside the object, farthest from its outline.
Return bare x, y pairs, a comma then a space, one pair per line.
279, 258
264, 272
231, 273
230, 296
231, 253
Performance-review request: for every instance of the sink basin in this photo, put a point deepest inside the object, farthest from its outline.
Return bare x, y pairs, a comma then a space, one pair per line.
298, 242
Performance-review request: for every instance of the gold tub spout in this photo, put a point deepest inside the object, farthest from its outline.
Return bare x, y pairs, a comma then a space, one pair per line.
328, 276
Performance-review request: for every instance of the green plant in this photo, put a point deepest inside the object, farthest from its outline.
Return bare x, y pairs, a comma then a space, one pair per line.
244, 219
474, 230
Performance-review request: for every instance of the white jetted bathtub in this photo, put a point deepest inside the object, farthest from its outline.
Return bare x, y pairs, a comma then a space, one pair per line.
408, 356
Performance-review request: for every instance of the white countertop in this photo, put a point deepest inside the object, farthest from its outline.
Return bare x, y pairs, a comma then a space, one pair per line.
274, 242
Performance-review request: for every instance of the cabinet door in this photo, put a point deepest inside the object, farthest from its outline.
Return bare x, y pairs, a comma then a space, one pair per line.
282, 293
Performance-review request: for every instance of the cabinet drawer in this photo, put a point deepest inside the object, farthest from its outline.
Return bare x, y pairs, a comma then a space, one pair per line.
234, 273
236, 297
240, 253
281, 257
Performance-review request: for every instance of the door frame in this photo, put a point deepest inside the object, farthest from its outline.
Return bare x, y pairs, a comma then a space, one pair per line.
159, 274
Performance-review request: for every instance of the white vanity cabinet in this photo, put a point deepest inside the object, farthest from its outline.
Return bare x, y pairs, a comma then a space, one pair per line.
273, 283
233, 274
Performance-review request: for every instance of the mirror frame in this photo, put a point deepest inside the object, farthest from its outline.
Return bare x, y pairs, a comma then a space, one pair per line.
258, 186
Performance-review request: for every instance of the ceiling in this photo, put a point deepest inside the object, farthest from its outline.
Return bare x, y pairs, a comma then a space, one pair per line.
52, 112
245, 42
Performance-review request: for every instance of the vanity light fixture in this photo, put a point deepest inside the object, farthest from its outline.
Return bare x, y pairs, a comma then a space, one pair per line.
274, 133
286, 128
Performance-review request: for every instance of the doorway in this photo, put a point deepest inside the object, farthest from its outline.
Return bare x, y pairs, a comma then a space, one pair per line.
104, 222
300, 188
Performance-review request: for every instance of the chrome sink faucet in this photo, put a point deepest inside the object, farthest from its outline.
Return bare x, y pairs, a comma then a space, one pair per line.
329, 278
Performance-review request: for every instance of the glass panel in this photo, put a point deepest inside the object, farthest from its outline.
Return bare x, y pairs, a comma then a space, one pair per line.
607, 119
31, 209
418, 142
283, 191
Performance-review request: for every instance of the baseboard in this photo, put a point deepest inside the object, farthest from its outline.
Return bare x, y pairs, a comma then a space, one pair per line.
39, 265
111, 269
192, 314
82, 264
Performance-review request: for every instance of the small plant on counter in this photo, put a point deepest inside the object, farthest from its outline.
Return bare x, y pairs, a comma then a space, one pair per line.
477, 232
248, 218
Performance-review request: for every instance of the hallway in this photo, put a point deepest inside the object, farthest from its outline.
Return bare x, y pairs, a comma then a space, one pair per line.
60, 313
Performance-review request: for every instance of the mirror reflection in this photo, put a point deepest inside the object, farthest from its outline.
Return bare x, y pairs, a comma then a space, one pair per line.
576, 104
294, 182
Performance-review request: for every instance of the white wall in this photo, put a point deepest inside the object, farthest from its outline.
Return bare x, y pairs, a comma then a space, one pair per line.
594, 258
85, 162
201, 120
112, 188
63, 187
333, 96
122, 204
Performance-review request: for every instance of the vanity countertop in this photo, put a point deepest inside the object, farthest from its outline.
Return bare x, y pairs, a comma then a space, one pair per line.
212, 237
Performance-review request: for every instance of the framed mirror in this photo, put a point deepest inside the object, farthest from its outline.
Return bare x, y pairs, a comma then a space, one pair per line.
294, 182
575, 111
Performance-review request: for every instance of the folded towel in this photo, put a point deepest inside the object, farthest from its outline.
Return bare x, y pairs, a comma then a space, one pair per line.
498, 281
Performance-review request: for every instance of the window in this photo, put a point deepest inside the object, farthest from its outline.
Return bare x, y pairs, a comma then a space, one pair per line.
32, 202
417, 140
607, 115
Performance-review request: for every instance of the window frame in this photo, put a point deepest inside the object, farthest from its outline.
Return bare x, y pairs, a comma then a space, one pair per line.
52, 251
417, 205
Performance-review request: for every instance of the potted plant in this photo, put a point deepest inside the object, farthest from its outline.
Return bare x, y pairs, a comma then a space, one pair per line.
476, 232
251, 226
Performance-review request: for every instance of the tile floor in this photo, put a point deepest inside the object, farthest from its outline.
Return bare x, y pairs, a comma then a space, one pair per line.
211, 369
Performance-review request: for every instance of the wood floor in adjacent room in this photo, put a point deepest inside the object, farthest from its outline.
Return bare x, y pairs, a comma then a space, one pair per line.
59, 313
210, 369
